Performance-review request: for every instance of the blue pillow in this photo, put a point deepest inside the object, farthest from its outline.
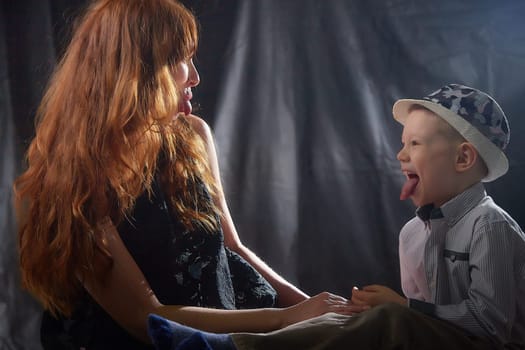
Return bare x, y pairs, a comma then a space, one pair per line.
162, 334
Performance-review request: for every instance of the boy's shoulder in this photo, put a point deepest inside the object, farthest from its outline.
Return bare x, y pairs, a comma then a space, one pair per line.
485, 212
488, 212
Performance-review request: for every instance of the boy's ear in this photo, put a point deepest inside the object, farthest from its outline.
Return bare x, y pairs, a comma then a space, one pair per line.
466, 157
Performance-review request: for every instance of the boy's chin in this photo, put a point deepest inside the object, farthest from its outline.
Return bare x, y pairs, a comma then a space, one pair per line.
416, 201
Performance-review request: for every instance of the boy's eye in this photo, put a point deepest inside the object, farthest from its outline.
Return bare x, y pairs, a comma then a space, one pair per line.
413, 143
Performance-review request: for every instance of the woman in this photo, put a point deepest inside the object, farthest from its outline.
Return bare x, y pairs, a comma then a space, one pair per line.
121, 208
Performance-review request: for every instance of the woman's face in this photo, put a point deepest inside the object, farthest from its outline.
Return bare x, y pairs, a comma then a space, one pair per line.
186, 77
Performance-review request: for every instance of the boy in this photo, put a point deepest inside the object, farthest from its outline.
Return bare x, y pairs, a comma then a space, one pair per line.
462, 257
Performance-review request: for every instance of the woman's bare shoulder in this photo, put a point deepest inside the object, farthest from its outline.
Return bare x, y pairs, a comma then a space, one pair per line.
201, 127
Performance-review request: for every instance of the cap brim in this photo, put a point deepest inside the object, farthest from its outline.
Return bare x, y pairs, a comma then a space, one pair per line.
496, 161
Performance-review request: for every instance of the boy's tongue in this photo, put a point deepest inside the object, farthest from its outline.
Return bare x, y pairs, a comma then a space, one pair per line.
409, 187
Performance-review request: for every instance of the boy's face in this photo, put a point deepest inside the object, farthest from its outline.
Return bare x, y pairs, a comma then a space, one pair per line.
428, 159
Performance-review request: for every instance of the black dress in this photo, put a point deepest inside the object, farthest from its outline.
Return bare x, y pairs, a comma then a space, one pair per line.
182, 267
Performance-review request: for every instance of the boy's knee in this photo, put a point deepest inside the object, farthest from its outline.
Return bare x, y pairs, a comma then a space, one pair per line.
390, 309
389, 314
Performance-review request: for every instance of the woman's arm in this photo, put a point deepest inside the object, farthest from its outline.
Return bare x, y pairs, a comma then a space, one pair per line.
127, 297
288, 293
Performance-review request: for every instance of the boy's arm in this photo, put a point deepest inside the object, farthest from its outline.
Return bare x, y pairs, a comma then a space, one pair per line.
489, 308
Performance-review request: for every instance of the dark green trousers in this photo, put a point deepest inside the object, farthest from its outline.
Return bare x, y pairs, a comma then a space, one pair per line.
388, 326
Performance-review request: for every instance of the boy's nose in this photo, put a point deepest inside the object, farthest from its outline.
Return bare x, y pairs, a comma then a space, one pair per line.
401, 155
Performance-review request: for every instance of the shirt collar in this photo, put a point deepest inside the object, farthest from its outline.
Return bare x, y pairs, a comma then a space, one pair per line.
429, 212
453, 210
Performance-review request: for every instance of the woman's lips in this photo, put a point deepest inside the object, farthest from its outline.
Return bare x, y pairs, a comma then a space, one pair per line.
185, 105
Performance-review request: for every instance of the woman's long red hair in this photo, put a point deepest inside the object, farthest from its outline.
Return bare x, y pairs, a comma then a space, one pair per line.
106, 119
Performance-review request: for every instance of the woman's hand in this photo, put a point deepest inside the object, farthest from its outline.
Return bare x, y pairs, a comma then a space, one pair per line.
318, 305
375, 295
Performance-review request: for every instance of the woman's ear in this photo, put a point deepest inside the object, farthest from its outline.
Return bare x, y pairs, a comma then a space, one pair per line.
466, 157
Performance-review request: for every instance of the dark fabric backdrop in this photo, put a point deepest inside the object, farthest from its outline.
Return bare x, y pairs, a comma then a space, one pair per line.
299, 95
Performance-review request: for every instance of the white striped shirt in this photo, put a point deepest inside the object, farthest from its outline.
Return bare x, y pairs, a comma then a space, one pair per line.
465, 263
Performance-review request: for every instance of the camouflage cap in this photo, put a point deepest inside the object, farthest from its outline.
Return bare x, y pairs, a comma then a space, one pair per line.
475, 115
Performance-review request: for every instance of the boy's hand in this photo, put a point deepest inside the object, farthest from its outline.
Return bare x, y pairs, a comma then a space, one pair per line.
375, 295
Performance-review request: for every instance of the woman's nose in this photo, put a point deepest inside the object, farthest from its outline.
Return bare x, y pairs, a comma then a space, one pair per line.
193, 77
